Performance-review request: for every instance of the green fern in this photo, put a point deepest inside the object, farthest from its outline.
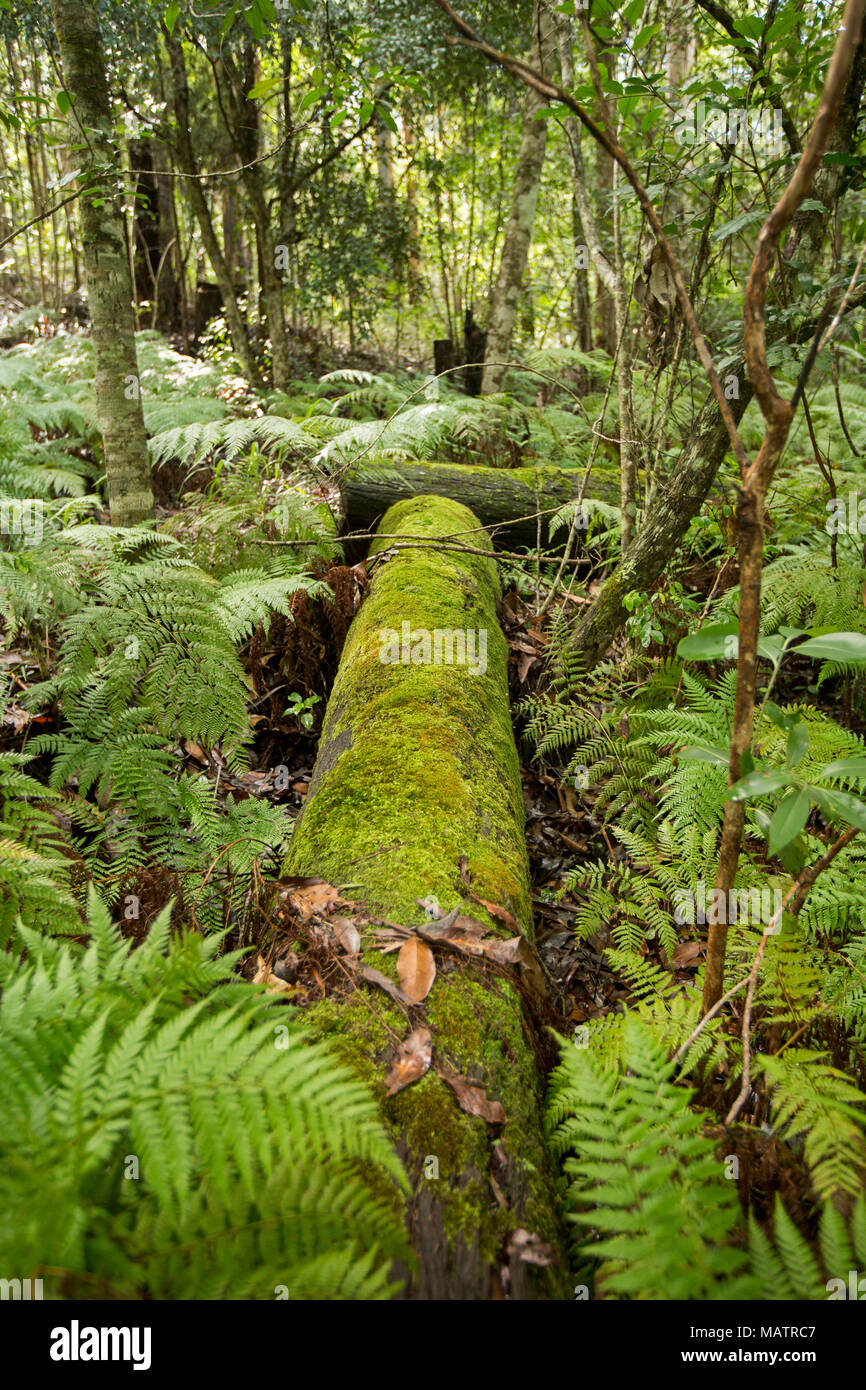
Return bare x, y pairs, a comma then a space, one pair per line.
644, 1178
195, 1142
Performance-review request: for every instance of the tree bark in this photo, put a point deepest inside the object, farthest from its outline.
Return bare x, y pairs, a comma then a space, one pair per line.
503, 498
524, 201
242, 121
192, 188
417, 768
681, 497
106, 263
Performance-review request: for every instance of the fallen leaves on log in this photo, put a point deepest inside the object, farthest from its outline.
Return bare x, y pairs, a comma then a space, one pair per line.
411, 1062
347, 934
416, 969
465, 934
376, 977
456, 930
309, 896
472, 1098
497, 912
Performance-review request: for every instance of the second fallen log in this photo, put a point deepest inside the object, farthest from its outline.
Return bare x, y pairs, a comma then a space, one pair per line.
505, 500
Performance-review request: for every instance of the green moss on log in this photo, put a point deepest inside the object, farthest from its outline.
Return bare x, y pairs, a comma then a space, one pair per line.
417, 764
417, 767
506, 498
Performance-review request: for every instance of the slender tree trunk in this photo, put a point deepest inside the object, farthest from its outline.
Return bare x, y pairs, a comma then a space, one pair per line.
682, 496
242, 121
186, 157
106, 263
414, 272
270, 279
524, 201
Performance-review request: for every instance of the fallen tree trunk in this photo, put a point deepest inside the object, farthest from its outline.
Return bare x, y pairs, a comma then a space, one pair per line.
417, 768
505, 499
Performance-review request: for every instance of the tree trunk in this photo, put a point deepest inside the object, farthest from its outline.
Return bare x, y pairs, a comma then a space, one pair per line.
504, 498
524, 200
417, 769
106, 263
242, 121
682, 496
192, 188
680, 499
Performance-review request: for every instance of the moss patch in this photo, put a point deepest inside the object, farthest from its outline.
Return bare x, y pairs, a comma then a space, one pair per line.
417, 763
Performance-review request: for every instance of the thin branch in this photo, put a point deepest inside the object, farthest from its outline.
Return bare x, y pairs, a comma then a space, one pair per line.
531, 78
796, 894
40, 217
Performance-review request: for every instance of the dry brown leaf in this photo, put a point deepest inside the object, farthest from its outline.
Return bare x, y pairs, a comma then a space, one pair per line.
572, 805
473, 938
416, 969
517, 951
309, 896
687, 953
500, 914
16, 718
347, 934
411, 1062
462, 933
525, 661
376, 977
265, 976
472, 1098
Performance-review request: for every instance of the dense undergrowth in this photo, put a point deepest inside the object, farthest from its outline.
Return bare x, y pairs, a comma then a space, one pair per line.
143, 740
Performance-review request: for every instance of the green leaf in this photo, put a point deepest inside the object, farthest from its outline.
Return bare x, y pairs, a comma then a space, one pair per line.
845, 767
793, 855
842, 805
171, 15
790, 817
387, 120
712, 642
751, 26
736, 224
771, 648
310, 98
265, 88
718, 757
798, 743
782, 26
835, 646
645, 36
64, 101
759, 783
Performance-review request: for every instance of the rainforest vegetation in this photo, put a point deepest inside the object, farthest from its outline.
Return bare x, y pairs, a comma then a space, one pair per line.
433, 603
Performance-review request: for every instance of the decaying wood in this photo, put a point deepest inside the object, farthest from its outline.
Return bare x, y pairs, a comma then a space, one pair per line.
504, 500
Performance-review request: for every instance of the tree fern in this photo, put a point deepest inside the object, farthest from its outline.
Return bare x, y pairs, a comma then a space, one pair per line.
195, 1142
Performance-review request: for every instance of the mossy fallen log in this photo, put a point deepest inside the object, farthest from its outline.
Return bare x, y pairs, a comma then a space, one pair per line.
417, 768
505, 499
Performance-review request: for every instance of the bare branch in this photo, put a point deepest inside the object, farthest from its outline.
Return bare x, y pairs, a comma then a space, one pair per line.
528, 75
